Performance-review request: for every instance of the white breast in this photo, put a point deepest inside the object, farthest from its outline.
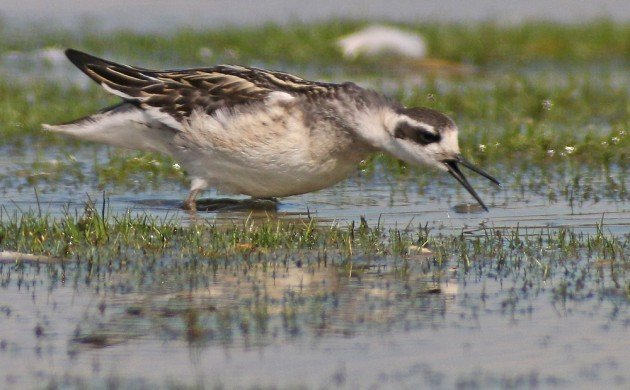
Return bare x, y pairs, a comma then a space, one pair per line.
266, 151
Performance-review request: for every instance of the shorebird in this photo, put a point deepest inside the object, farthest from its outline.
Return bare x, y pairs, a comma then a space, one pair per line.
261, 133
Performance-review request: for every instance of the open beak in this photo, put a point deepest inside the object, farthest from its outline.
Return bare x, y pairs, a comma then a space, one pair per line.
453, 169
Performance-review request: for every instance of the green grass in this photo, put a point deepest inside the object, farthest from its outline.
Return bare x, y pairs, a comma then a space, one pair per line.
75, 235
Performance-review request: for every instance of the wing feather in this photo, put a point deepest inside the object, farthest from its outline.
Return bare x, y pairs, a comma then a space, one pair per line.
150, 89
179, 92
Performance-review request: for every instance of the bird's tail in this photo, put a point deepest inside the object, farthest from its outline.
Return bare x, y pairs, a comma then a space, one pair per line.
124, 125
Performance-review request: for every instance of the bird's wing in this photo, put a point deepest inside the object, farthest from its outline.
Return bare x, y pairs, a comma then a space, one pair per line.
172, 95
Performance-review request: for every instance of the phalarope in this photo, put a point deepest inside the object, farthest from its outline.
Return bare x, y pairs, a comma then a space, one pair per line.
261, 133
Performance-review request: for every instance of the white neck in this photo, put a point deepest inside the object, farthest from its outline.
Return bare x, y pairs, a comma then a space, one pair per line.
372, 124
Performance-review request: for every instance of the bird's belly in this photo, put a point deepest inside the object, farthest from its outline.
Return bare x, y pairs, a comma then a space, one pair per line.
270, 180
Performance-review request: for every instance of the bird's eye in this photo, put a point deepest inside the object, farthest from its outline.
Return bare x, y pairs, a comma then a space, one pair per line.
417, 134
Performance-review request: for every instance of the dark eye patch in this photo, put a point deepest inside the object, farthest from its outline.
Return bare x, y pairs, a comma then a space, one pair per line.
417, 134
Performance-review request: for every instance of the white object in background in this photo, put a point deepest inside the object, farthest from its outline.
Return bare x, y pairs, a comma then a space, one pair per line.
378, 39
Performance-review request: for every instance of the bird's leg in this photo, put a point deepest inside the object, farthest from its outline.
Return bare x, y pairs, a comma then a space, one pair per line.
190, 203
196, 186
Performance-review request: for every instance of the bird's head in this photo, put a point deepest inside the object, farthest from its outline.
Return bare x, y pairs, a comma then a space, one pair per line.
422, 136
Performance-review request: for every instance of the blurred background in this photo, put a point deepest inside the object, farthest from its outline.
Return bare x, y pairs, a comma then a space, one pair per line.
162, 15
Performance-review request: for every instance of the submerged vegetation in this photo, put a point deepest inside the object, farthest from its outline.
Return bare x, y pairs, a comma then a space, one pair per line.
131, 242
258, 279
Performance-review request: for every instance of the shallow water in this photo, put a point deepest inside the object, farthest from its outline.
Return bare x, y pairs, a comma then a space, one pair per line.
442, 206
321, 327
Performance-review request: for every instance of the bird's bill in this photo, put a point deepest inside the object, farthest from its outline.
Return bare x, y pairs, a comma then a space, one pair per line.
453, 168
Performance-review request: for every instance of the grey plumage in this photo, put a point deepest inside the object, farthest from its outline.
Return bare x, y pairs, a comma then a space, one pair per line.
259, 132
